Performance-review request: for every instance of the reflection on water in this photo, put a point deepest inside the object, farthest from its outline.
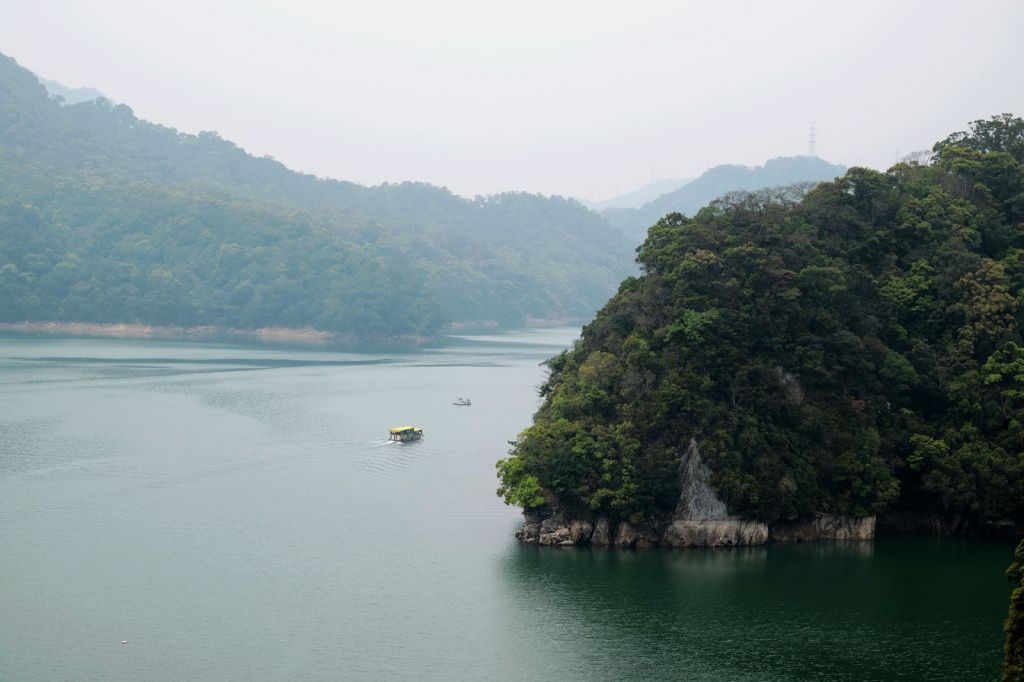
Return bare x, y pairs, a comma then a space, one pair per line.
891, 610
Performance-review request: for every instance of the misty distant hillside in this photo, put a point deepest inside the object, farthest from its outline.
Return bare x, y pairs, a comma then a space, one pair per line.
717, 182
638, 197
70, 95
105, 217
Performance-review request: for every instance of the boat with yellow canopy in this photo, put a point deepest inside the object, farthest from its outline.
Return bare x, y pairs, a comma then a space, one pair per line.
404, 434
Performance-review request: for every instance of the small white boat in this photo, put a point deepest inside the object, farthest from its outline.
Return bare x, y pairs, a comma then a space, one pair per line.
462, 401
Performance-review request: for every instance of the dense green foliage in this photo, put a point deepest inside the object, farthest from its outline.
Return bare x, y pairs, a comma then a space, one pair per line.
1013, 663
107, 218
716, 183
854, 348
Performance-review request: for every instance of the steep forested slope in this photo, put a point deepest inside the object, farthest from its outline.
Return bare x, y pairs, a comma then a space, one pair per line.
716, 183
854, 350
108, 218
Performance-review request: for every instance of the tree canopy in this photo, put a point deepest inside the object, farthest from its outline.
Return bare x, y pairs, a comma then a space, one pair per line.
105, 217
717, 182
850, 349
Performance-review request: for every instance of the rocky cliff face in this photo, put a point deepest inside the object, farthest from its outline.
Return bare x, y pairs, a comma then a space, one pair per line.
700, 519
824, 527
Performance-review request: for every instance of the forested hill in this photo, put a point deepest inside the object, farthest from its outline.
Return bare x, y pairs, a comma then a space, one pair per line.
108, 218
856, 350
717, 182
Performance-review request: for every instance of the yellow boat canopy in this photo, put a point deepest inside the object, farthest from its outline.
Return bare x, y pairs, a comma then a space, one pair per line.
400, 429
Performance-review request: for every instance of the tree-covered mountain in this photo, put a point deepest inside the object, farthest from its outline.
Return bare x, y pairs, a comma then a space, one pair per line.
716, 183
856, 349
108, 218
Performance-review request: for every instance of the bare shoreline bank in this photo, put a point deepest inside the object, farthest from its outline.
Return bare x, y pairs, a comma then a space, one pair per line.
147, 331
303, 335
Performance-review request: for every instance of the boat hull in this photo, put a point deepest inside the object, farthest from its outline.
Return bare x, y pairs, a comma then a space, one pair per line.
405, 435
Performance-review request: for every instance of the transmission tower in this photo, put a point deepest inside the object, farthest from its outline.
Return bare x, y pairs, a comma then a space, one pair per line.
812, 141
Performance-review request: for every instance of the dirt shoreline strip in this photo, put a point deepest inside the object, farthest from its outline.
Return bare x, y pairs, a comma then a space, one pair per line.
147, 331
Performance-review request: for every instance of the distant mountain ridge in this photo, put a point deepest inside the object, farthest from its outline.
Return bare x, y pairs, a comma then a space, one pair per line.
717, 182
71, 95
638, 197
107, 218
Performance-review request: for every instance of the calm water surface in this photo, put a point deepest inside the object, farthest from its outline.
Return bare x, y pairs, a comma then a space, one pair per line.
234, 514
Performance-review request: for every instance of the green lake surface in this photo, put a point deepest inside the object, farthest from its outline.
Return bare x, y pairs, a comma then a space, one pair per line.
234, 513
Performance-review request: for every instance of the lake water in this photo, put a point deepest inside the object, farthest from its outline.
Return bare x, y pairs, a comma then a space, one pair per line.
233, 513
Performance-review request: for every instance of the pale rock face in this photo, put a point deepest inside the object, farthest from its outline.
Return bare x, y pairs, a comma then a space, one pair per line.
555, 531
715, 533
638, 535
602, 535
825, 527
697, 499
700, 519
529, 533
580, 531
625, 536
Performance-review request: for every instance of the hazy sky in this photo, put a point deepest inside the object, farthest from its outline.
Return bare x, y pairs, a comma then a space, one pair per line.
585, 98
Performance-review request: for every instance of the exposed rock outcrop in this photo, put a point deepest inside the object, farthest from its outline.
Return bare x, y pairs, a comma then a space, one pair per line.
529, 532
824, 527
700, 519
602, 535
714, 533
636, 535
555, 531
580, 531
